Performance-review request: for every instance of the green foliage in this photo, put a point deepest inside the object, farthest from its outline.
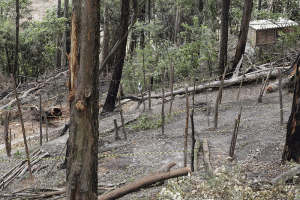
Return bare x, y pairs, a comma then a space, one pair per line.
146, 122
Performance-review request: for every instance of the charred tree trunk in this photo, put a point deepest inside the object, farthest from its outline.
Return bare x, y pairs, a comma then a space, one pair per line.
64, 50
292, 145
241, 45
109, 105
83, 97
224, 37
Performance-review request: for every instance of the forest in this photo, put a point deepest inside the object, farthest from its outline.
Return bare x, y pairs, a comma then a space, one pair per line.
149, 99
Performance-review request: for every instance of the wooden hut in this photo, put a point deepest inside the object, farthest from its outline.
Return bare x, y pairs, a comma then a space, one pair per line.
263, 32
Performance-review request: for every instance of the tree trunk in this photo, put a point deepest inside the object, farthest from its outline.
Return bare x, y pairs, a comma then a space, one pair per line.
241, 45
106, 36
83, 97
142, 20
64, 40
17, 40
133, 42
259, 5
177, 23
224, 37
58, 39
117, 73
292, 145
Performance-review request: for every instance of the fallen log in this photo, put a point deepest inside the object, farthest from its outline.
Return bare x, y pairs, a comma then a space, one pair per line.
273, 87
144, 182
26, 93
259, 74
286, 176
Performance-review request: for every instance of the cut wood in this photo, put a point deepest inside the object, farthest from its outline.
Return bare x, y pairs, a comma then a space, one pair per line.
206, 155
273, 87
144, 182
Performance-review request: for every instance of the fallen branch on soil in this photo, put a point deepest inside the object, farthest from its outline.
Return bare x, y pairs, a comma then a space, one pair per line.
34, 193
273, 87
197, 149
289, 175
166, 167
206, 155
26, 93
144, 182
21, 168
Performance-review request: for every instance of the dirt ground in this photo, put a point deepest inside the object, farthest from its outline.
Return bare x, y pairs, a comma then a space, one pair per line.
259, 143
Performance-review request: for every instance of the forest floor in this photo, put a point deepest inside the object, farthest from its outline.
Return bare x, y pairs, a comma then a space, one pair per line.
258, 149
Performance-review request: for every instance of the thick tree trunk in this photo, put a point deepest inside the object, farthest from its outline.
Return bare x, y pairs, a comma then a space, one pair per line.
224, 37
292, 145
241, 45
117, 73
83, 97
64, 40
133, 40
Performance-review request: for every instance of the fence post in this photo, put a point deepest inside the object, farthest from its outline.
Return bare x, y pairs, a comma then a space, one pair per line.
186, 125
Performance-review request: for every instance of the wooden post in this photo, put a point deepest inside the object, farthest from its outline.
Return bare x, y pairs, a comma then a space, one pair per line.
208, 107
234, 136
10, 139
280, 96
171, 84
23, 129
265, 84
193, 141
238, 96
6, 134
218, 100
163, 103
41, 131
116, 130
121, 113
186, 125
149, 92
47, 138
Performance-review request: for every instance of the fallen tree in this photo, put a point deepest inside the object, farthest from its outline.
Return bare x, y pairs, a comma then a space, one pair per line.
144, 182
37, 87
260, 73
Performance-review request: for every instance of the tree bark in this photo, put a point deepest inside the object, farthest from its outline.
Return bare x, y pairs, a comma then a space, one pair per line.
109, 105
224, 37
292, 145
142, 20
84, 100
58, 38
64, 51
106, 36
17, 40
241, 45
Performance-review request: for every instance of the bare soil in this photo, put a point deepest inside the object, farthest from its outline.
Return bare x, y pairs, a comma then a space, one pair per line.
259, 144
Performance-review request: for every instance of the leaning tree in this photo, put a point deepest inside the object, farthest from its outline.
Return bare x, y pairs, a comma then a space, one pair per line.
83, 97
292, 145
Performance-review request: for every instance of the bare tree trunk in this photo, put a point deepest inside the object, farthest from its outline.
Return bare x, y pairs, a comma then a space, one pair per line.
7, 138
241, 45
292, 145
177, 23
142, 20
117, 73
17, 40
106, 36
84, 98
133, 40
224, 37
64, 40
58, 38
259, 5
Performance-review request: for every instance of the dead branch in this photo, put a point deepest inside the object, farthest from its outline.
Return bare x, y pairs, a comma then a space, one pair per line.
144, 182
166, 167
110, 148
